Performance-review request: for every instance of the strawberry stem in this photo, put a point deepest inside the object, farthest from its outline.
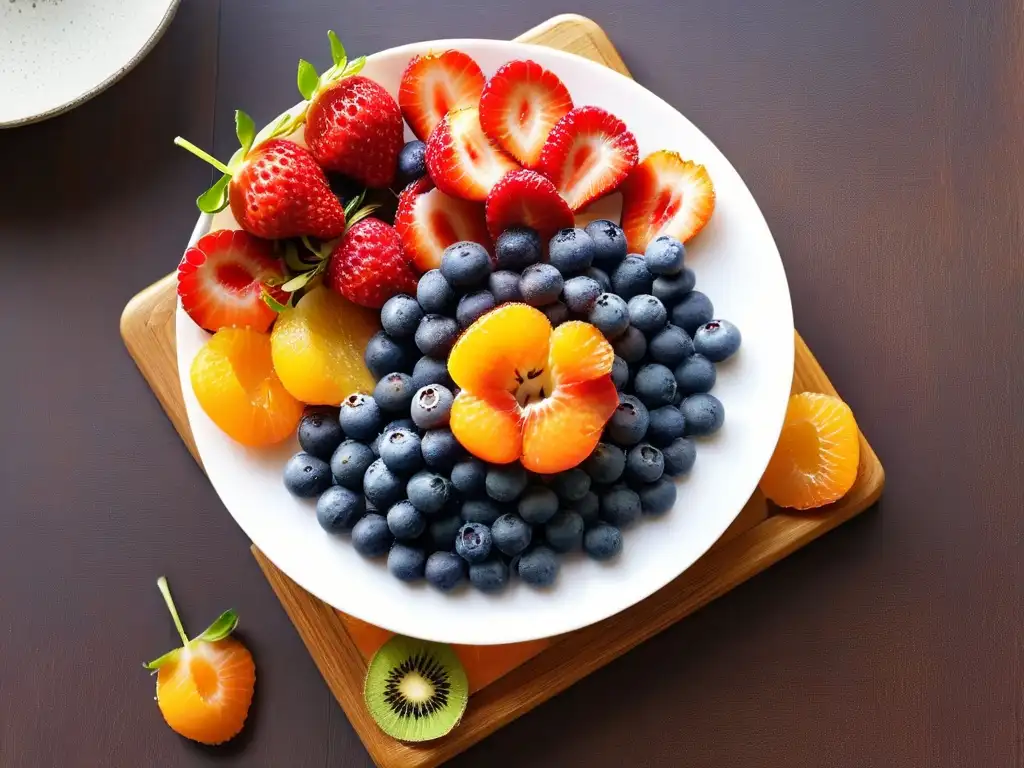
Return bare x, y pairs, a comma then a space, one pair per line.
161, 584
201, 154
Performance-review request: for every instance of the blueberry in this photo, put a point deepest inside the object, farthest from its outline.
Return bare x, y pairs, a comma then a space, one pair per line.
483, 511
436, 335
679, 456
717, 340
412, 163
432, 406
320, 432
670, 346
571, 251
506, 482
647, 313
556, 313
430, 371
473, 542
384, 355
306, 476
405, 521
609, 315
465, 265
704, 414
606, 463
620, 373
445, 570
539, 567
382, 486
667, 424
490, 575
360, 417
631, 346
670, 289
664, 256
632, 278
473, 306
391, 426
440, 449
564, 532
658, 497
609, 243
692, 311
511, 534
434, 293
540, 284
428, 492
571, 485
580, 294
620, 506
695, 374
602, 541
644, 463
538, 504
349, 463
517, 248
587, 508
655, 385
629, 422
504, 286
400, 316
394, 392
371, 536
338, 509
468, 477
600, 277
442, 532
405, 562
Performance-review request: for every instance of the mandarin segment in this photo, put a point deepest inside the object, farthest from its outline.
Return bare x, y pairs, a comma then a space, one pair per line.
579, 352
510, 340
817, 456
488, 425
563, 429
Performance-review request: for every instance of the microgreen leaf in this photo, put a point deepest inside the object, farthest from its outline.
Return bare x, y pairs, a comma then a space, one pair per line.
245, 130
296, 282
337, 49
216, 197
308, 79
222, 626
167, 658
271, 302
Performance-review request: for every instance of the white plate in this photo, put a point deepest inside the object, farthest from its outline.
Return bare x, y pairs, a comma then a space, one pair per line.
737, 265
56, 54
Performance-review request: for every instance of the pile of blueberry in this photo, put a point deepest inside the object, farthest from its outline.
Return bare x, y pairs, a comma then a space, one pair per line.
387, 469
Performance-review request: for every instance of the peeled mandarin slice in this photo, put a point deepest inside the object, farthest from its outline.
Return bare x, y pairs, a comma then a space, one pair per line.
503, 344
489, 425
579, 352
318, 347
816, 459
563, 429
234, 381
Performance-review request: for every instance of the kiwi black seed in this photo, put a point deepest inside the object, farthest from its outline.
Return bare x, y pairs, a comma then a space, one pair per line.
415, 690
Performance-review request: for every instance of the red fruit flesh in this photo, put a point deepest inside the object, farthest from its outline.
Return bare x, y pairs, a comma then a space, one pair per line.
520, 105
368, 266
428, 221
526, 198
435, 84
461, 160
665, 195
587, 155
354, 127
221, 279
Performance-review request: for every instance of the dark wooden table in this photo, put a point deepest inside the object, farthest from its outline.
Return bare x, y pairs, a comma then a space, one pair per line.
883, 142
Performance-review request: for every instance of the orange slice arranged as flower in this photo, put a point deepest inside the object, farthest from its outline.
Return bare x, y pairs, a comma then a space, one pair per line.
816, 459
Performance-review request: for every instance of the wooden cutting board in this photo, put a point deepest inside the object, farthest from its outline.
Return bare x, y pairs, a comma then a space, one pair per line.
508, 681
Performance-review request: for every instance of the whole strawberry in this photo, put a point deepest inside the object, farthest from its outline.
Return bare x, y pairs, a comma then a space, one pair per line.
368, 266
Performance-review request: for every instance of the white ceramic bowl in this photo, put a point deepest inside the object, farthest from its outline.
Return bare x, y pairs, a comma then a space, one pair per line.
737, 265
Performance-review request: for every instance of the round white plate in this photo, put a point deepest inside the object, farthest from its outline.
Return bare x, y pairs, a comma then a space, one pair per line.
56, 54
737, 265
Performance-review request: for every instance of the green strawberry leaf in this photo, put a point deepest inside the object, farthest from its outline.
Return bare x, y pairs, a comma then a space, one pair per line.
355, 67
245, 130
308, 79
216, 197
361, 214
293, 260
297, 282
167, 658
282, 127
222, 626
354, 204
337, 49
271, 302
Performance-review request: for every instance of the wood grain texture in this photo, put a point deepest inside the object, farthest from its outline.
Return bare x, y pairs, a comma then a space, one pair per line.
760, 536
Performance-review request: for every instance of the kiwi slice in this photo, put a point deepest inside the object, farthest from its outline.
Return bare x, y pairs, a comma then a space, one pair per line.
415, 690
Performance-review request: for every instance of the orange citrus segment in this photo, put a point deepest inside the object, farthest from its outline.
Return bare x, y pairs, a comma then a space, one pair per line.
318, 347
504, 344
205, 693
815, 462
563, 429
488, 425
579, 352
234, 381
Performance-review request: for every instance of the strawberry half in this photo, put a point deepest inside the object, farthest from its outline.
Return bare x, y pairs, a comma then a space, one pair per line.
428, 221
665, 195
520, 105
368, 266
462, 160
221, 280
525, 197
435, 84
587, 155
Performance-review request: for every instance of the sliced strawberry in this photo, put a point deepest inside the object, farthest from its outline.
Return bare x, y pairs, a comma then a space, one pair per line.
520, 105
435, 84
461, 160
587, 155
526, 198
221, 280
428, 221
665, 195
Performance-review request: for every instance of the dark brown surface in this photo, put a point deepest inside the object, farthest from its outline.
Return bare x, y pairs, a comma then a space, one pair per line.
884, 146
